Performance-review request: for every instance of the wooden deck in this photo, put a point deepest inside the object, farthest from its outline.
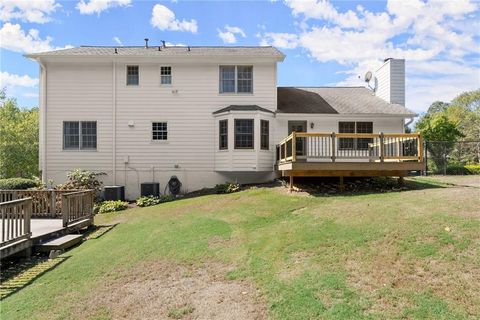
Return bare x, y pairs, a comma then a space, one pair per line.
20, 232
349, 155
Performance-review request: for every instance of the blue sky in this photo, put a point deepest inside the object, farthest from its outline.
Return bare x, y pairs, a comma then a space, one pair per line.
327, 43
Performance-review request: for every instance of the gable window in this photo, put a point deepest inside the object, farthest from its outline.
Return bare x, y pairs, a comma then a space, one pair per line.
165, 75
355, 127
159, 131
236, 79
132, 76
79, 135
243, 133
223, 134
264, 134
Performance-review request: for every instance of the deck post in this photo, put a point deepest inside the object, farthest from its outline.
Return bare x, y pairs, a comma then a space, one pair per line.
53, 203
290, 187
65, 209
382, 147
333, 146
294, 146
342, 185
401, 181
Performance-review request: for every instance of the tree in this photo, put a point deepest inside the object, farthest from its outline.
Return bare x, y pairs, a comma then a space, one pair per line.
440, 134
18, 139
437, 106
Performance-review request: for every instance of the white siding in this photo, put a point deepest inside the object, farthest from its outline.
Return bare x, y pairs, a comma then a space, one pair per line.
391, 81
79, 92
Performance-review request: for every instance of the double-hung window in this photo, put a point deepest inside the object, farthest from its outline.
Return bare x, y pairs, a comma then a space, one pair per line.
355, 127
243, 133
236, 79
223, 134
165, 75
79, 135
132, 76
159, 131
264, 134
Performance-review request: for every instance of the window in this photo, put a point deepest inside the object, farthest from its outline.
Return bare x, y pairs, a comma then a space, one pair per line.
243, 133
132, 76
264, 134
79, 135
159, 131
236, 79
355, 127
165, 75
364, 127
244, 79
227, 79
223, 134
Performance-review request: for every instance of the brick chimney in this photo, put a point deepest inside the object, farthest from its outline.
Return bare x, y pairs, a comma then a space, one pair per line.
391, 81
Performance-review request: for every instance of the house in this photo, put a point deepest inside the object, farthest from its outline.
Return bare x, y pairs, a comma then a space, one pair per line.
209, 115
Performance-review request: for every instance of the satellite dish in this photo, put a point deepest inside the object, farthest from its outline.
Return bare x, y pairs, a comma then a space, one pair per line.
368, 76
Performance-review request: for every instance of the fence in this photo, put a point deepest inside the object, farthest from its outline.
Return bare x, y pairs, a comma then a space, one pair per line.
15, 220
449, 157
45, 203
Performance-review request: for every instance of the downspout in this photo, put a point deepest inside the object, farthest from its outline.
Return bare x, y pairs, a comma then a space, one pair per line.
407, 124
114, 122
43, 108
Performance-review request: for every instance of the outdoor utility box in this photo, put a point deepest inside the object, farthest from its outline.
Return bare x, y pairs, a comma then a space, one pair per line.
114, 193
150, 189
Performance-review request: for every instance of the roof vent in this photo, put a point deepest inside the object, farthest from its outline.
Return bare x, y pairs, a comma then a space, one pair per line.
188, 49
163, 44
159, 48
116, 51
146, 43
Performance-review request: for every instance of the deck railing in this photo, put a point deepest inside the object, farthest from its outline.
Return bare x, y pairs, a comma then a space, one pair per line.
45, 203
15, 220
77, 206
373, 147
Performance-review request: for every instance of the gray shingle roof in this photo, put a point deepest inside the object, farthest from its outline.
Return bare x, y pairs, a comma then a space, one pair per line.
335, 100
257, 51
242, 108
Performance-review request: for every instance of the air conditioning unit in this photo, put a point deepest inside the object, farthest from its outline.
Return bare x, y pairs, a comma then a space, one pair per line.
114, 193
150, 189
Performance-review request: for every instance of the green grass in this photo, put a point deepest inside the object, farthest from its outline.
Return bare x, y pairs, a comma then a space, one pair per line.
368, 256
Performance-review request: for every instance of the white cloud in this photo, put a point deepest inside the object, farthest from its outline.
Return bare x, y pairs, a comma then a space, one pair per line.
97, 6
229, 34
434, 37
13, 38
118, 41
9, 80
37, 11
164, 19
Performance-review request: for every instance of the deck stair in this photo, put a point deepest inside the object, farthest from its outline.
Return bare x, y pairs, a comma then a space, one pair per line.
61, 243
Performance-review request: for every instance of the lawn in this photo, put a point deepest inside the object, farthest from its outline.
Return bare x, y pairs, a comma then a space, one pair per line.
263, 253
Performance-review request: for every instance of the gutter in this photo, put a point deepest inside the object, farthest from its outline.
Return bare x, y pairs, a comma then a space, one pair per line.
43, 108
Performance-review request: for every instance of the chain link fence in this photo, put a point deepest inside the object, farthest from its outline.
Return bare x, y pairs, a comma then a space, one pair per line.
451, 157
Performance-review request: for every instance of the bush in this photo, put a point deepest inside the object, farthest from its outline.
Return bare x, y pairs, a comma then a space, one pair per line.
456, 169
82, 180
111, 206
473, 168
19, 184
227, 187
151, 200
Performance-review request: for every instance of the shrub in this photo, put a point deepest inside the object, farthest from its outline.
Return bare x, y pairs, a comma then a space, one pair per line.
151, 200
82, 180
227, 187
456, 169
473, 168
19, 183
111, 206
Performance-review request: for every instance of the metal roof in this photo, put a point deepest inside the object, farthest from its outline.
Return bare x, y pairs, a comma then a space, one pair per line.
242, 108
335, 100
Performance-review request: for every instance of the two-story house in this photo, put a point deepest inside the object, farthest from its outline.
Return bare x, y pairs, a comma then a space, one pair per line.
208, 115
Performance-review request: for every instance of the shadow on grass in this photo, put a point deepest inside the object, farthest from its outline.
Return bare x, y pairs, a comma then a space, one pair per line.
98, 230
18, 275
356, 186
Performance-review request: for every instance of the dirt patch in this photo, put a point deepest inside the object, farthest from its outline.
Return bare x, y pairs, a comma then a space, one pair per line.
161, 290
298, 263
